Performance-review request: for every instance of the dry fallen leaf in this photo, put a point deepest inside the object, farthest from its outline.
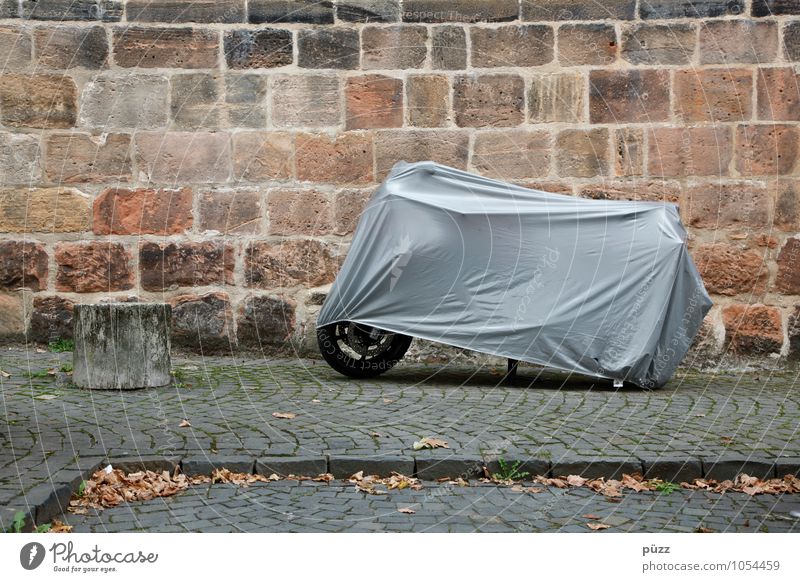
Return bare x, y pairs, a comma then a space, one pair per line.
596, 526
591, 516
184, 423
576, 481
387, 400
284, 414
726, 440
4, 374
375, 434
406, 510
57, 526
316, 401
431, 443
701, 529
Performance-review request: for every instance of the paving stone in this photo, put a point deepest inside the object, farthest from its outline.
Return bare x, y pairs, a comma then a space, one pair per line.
153, 463
673, 469
342, 467
436, 466
729, 466
283, 466
594, 468
206, 465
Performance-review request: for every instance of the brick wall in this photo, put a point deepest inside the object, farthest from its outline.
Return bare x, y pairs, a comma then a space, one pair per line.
216, 154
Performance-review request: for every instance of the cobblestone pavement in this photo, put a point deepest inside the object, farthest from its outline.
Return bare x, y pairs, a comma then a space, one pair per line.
291, 507
50, 429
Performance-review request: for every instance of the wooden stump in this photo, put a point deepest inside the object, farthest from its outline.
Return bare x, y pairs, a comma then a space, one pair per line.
122, 346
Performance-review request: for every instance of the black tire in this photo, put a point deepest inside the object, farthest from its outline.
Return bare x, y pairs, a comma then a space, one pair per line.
350, 349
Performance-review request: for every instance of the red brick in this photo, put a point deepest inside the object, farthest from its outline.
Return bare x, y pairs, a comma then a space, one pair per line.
728, 270
512, 154
260, 155
778, 94
346, 159
646, 190
171, 48
690, 151
428, 100
714, 94
295, 211
42, 101
347, 209
582, 153
738, 41
753, 329
527, 45
258, 49
787, 205
23, 265
74, 158
448, 147
143, 211
718, 205
788, 280
231, 211
628, 96
265, 319
289, 263
202, 321
658, 44
183, 157
374, 101
51, 319
766, 149
587, 44
92, 267
489, 100
13, 316
186, 264
393, 47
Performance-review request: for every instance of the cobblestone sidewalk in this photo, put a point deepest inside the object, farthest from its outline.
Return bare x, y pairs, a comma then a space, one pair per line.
52, 433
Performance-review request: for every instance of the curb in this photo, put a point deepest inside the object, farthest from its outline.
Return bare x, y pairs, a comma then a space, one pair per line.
49, 500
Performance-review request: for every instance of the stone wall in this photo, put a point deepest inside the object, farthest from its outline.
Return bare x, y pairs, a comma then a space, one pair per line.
216, 155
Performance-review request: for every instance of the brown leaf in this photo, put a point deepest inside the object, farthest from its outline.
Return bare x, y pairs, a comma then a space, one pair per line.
431, 443
57, 526
576, 481
596, 526
406, 510
4, 374
288, 415
701, 529
591, 516
184, 423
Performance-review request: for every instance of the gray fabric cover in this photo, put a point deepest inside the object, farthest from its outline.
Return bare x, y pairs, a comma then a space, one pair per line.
599, 287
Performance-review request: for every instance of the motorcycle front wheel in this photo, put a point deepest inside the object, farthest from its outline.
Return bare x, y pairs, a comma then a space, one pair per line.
360, 351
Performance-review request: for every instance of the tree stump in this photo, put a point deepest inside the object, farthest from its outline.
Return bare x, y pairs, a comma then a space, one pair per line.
122, 346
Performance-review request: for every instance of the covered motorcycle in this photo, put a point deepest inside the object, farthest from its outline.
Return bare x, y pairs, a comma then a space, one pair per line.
599, 287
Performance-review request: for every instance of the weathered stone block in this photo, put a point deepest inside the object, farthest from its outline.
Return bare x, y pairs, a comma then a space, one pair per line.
51, 319
12, 316
527, 45
582, 153
610, 468
48, 210
578, 10
258, 49
728, 270
185, 264
207, 464
143, 211
394, 47
449, 48
112, 101
787, 205
343, 467
78, 157
289, 263
628, 96
306, 212
557, 98
788, 279
23, 265
690, 151
735, 204
533, 467
778, 94
230, 211
259, 156
368, 10
42, 101
246, 100
428, 100
430, 466
105, 10
450, 147
20, 159
183, 157
9, 9
195, 100
328, 48
147, 463
302, 11
459, 11
347, 208
122, 346
15, 44
791, 41
265, 319
373, 101
738, 41
346, 159
203, 321
306, 101
488, 100
512, 155
754, 330
713, 94
93, 266
729, 466
658, 44
673, 469
175, 48
587, 44
304, 466
694, 9
67, 47
767, 150
649, 191
169, 11
774, 7
628, 151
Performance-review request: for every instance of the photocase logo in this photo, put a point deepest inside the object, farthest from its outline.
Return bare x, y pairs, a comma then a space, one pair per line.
31, 555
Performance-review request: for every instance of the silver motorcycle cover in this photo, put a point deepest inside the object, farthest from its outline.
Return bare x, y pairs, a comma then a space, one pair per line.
599, 287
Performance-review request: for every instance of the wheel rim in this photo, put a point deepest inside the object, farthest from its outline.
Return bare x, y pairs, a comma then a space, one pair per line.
362, 342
